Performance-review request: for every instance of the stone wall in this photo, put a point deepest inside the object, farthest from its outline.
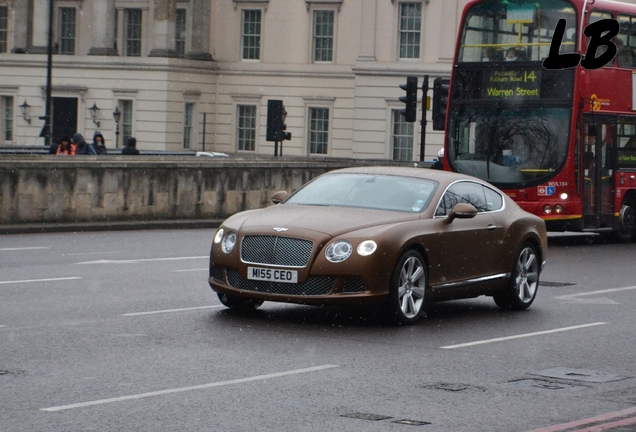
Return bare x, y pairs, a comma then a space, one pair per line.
40, 189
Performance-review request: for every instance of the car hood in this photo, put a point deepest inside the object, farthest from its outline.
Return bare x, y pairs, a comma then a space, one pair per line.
330, 220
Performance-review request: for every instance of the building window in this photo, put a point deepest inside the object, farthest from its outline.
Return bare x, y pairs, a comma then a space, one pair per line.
410, 30
251, 34
126, 120
67, 31
4, 23
132, 27
180, 36
323, 35
402, 138
188, 115
318, 130
6, 105
246, 130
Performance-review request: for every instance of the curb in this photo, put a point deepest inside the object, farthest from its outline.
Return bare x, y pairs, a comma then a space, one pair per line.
34, 228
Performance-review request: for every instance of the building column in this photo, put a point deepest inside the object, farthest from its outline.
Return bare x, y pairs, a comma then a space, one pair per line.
20, 26
39, 27
200, 41
368, 18
165, 13
103, 28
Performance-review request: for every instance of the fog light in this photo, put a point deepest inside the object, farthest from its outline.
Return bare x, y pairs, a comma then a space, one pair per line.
547, 209
564, 196
558, 208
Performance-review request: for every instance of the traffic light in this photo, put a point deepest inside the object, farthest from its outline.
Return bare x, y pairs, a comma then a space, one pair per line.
441, 87
409, 112
276, 121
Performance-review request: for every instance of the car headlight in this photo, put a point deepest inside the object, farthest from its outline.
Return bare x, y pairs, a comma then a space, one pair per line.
367, 247
218, 236
228, 242
338, 251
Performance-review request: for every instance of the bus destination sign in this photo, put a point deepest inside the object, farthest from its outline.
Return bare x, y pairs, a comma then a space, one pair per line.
512, 84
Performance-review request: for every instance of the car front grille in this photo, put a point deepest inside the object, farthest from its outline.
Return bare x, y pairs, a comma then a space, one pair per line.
314, 286
276, 250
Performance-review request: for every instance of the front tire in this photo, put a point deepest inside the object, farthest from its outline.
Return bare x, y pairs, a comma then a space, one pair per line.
239, 303
407, 290
524, 280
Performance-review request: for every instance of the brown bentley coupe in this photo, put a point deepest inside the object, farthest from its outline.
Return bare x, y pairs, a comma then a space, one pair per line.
398, 237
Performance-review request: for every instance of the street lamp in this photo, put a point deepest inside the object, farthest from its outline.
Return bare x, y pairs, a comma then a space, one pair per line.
94, 113
24, 108
116, 116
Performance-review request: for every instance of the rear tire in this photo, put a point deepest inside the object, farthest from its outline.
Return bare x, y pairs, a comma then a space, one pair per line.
239, 303
407, 290
626, 222
524, 280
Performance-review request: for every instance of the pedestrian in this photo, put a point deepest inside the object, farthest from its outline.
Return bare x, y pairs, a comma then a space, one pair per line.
83, 147
131, 147
64, 147
99, 144
439, 164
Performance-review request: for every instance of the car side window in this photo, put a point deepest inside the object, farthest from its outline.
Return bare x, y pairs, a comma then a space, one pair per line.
463, 192
494, 201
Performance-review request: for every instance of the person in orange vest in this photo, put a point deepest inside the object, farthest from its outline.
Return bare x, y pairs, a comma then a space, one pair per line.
65, 147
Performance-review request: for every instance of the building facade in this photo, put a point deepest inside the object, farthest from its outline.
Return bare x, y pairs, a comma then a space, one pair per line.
198, 74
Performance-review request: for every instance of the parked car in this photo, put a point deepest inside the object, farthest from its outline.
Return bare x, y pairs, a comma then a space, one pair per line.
394, 236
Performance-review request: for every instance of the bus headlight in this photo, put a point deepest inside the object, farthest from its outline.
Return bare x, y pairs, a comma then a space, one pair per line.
558, 209
547, 209
564, 196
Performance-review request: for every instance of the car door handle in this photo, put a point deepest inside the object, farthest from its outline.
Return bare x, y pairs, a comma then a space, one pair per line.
491, 227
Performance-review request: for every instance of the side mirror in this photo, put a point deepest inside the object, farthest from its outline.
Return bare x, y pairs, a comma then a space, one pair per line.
279, 197
462, 211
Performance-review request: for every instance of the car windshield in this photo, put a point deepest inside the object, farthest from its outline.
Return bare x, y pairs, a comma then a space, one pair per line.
381, 192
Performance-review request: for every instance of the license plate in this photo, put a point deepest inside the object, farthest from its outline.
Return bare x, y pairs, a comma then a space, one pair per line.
272, 275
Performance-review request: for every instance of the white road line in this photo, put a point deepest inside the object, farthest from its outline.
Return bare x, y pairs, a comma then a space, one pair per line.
192, 388
171, 310
191, 270
575, 297
134, 261
39, 280
24, 248
522, 336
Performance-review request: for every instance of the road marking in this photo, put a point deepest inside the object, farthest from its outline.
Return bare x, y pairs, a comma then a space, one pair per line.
597, 419
24, 248
192, 270
522, 336
603, 300
192, 388
135, 261
39, 280
171, 310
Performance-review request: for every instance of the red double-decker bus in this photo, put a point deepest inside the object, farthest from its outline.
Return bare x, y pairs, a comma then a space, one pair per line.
561, 143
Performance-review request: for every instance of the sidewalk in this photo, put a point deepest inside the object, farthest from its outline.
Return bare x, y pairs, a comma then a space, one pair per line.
108, 226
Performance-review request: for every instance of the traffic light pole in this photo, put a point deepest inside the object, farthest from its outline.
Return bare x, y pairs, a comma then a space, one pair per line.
423, 121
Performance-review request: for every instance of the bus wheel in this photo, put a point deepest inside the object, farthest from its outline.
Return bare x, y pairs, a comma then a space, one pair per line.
626, 222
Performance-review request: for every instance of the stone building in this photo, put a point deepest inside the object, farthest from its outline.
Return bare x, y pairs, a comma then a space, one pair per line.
198, 74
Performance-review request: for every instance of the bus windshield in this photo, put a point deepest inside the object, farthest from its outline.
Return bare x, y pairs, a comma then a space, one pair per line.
507, 30
509, 147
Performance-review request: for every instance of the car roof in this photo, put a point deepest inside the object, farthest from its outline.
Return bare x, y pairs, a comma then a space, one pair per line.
442, 177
